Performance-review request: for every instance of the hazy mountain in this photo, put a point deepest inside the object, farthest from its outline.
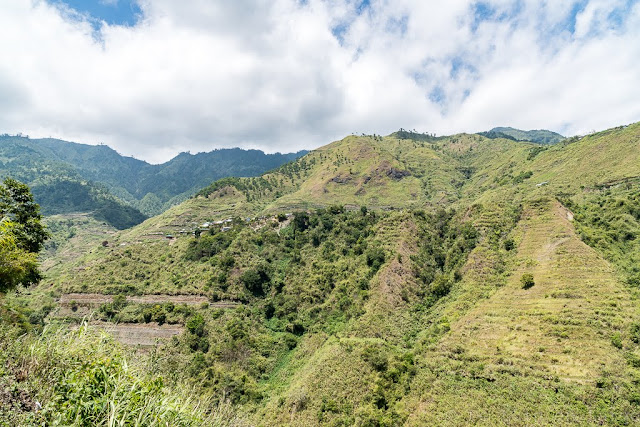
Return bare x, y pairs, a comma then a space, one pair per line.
70, 177
538, 136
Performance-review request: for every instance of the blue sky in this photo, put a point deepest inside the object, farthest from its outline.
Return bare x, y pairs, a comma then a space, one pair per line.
154, 78
113, 12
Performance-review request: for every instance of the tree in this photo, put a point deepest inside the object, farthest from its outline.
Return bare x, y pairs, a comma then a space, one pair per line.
16, 264
527, 281
256, 280
300, 221
18, 206
22, 235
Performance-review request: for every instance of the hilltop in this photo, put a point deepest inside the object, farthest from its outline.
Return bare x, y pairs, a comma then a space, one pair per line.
391, 173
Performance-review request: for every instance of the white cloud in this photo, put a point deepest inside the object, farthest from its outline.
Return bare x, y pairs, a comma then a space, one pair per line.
200, 74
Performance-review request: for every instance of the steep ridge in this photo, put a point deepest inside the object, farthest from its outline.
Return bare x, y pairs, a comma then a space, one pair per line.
546, 355
541, 136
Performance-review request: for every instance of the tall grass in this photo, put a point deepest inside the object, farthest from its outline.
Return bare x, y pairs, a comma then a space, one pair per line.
82, 378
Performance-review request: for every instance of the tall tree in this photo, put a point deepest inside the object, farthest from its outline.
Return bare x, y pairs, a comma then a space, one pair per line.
22, 235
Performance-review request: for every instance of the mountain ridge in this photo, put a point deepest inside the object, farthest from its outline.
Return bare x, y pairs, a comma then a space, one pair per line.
539, 136
146, 187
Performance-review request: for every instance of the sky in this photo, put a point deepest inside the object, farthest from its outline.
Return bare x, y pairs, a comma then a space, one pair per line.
153, 78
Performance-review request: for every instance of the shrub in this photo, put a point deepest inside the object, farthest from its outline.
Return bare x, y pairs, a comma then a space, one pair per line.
634, 331
616, 341
509, 244
527, 281
256, 280
375, 258
195, 325
88, 381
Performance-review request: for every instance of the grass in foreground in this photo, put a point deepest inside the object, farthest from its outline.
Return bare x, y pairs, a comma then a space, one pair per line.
73, 377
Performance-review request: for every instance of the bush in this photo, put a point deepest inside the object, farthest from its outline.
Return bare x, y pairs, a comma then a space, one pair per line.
509, 244
256, 280
616, 341
634, 331
88, 381
207, 246
375, 258
527, 281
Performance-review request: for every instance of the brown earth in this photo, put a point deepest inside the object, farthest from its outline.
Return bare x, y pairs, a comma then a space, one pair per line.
139, 334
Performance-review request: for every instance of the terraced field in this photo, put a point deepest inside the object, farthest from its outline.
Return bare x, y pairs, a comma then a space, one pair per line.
144, 334
547, 350
139, 334
564, 323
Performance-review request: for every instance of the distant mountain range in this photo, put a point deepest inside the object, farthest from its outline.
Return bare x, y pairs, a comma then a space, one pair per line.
541, 136
70, 177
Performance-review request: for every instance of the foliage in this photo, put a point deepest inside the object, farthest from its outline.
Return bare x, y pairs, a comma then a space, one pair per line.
405, 311
375, 258
413, 135
445, 243
69, 177
67, 195
526, 280
208, 245
18, 206
17, 265
256, 280
84, 379
22, 235
537, 136
610, 222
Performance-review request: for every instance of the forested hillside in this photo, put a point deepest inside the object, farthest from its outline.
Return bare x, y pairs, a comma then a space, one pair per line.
69, 177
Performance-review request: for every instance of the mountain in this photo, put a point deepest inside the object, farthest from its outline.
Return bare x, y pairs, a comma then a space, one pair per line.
70, 177
389, 281
58, 187
538, 136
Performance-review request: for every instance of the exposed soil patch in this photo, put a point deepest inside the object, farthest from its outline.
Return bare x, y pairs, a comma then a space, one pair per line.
341, 179
16, 400
139, 334
394, 173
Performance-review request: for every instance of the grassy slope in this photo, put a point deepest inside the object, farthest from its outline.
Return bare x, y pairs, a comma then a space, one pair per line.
72, 236
372, 171
538, 356
81, 378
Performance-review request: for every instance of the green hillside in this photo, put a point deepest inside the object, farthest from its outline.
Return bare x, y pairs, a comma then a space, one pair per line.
67, 177
58, 187
381, 281
541, 136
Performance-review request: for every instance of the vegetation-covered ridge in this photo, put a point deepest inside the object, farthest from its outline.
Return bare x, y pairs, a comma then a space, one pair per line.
383, 281
68, 177
391, 173
538, 136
